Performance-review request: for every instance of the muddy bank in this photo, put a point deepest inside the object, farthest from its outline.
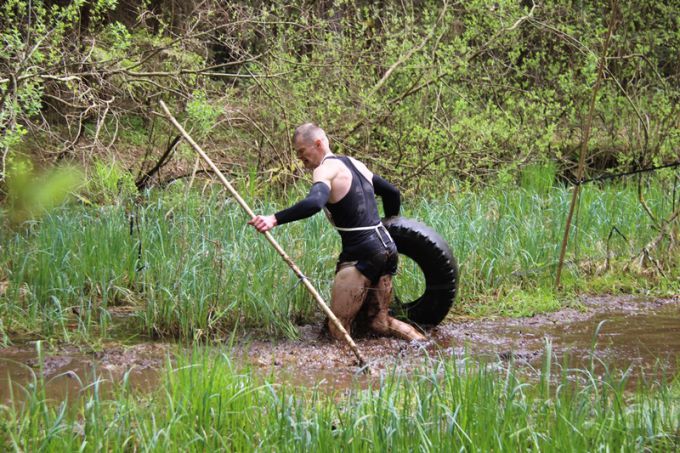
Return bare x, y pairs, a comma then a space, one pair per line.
622, 331
635, 332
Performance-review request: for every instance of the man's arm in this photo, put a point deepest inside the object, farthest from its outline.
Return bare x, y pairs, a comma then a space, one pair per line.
310, 205
307, 207
390, 195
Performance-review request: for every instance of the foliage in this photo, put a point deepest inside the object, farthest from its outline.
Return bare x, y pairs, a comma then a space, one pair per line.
538, 178
479, 96
73, 76
34, 36
202, 114
430, 93
33, 193
109, 184
207, 403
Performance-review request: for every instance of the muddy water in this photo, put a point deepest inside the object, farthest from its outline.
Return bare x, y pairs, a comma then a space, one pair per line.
69, 373
619, 332
622, 332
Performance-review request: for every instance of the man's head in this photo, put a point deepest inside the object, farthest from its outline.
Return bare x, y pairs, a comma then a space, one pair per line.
311, 144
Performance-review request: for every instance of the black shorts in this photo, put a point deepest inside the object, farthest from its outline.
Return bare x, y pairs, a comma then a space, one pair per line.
374, 258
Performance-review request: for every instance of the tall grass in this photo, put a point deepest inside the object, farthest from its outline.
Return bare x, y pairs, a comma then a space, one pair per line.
205, 404
510, 237
193, 268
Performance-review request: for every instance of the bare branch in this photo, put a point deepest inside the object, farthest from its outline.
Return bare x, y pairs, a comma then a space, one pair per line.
408, 54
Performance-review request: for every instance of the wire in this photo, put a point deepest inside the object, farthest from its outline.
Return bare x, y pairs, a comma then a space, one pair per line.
628, 173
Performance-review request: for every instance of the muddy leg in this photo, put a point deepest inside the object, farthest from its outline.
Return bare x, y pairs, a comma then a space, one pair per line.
383, 323
349, 291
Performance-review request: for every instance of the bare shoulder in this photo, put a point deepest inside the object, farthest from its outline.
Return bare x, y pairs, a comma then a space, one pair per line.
325, 172
362, 168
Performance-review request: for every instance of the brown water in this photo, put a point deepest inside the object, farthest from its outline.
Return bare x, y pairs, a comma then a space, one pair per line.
622, 332
71, 373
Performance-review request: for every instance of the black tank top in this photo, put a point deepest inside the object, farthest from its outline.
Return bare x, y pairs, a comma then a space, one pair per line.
357, 208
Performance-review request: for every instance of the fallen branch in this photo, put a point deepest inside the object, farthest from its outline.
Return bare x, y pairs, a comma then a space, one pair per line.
143, 181
646, 252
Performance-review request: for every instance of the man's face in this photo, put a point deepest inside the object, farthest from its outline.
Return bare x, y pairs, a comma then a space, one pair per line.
309, 153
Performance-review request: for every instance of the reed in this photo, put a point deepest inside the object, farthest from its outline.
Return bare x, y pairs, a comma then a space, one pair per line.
191, 268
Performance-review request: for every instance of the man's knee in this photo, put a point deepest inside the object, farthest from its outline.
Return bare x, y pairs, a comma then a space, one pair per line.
349, 292
381, 325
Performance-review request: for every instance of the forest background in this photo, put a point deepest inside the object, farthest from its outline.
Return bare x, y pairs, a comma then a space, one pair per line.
436, 96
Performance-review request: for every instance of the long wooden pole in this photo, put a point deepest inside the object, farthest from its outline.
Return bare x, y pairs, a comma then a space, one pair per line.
315, 294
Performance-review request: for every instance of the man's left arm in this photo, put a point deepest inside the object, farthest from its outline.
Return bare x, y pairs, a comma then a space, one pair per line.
390, 195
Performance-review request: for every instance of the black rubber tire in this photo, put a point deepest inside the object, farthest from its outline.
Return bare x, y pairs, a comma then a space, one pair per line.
433, 255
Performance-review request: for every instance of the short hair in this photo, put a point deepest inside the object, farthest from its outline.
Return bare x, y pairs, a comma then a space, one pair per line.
308, 132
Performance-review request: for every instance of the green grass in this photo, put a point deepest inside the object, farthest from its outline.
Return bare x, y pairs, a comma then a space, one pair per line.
206, 403
202, 272
509, 239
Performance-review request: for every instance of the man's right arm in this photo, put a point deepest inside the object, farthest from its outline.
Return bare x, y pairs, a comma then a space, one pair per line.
389, 194
314, 201
310, 205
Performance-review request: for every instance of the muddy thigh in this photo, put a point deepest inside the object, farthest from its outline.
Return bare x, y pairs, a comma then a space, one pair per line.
348, 295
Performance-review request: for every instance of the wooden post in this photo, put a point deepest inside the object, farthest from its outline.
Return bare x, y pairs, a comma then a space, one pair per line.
586, 138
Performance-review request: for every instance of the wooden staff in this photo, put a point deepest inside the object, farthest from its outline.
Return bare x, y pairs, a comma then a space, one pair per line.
315, 294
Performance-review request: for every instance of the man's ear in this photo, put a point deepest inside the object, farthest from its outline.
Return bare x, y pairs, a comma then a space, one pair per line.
317, 143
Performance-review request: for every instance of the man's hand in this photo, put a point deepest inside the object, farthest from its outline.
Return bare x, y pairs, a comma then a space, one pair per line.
263, 222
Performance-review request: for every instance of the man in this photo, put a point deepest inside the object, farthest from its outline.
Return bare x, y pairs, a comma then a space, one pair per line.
346, 188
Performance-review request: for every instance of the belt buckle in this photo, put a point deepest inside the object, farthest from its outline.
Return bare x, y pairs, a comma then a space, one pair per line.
377, 231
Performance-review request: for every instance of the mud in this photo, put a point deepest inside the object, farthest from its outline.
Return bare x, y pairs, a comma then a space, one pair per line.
623, 332
617, 332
